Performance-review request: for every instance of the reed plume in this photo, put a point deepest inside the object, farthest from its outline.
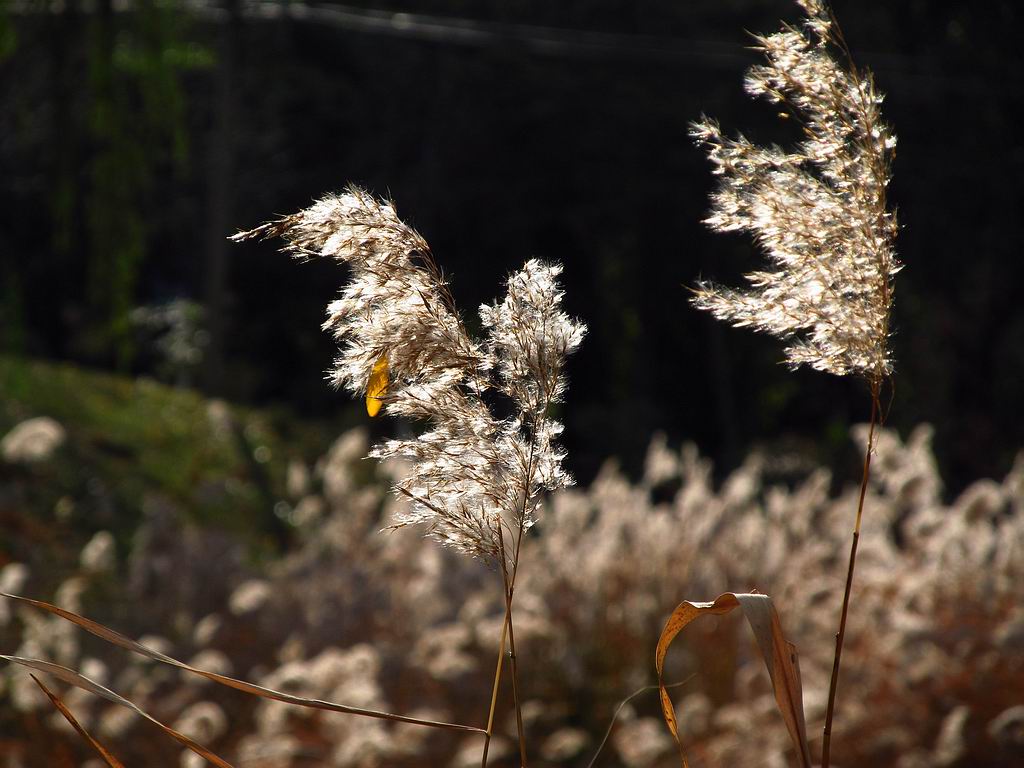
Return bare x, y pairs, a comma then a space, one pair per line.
820, 215
472, 471
476, 478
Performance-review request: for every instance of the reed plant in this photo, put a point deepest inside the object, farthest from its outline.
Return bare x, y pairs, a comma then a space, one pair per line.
476, 477
476, 480
487, 454
819, 213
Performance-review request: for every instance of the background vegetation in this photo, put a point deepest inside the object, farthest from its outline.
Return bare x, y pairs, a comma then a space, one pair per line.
196, 492
934, 663
135, 137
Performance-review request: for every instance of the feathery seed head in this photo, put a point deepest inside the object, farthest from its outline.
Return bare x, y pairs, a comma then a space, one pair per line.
472, 473
529, 336
819, 213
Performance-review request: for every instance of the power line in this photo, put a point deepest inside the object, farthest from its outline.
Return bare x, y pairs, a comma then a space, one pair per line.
470, 33
566, 42
475, 33
534, 39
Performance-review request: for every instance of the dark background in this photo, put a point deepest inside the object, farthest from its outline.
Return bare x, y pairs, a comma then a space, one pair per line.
132, 140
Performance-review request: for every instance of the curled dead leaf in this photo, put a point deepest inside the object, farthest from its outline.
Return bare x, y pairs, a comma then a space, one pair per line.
779, 656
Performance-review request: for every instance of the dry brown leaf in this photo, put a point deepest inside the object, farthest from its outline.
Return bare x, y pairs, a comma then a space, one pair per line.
778, 653
81, 681
116, 638
112, 761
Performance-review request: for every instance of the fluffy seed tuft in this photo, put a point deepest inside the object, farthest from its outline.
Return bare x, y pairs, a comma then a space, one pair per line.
819, 213
473, 473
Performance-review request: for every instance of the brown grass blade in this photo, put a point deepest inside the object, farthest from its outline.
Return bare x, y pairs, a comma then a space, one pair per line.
81, 681
779, 657
110, 760
116, 638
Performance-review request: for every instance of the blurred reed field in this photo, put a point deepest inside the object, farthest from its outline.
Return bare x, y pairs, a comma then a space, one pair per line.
933, 667
188, 581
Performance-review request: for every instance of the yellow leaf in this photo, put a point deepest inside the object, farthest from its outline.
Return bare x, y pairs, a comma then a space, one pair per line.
377, 386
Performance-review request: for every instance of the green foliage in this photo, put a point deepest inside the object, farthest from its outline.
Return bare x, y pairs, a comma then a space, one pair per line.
130, 441
137, 118
8, 37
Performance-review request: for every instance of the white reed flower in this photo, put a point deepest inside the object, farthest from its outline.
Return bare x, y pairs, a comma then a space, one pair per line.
100, 554
819, 213
406, 348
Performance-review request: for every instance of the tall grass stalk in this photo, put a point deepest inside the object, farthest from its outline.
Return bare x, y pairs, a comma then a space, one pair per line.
826, 742
494, 687
474, 477
821, 216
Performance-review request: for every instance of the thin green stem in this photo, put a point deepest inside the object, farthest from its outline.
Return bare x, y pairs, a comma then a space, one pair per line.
624, 702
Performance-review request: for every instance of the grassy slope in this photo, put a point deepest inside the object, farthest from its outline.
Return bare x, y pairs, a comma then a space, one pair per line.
136, 442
